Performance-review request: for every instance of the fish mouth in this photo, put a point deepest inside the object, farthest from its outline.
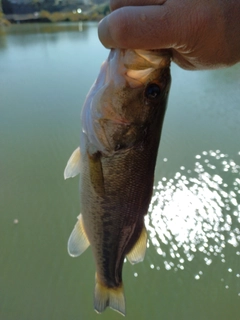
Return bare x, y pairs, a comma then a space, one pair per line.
131, 69
134, 66
137, 78
140, 64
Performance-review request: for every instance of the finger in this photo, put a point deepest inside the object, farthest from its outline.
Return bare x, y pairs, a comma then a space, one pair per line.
116, 4
149, 27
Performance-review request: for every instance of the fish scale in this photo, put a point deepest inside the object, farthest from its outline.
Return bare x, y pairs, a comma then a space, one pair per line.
122, 119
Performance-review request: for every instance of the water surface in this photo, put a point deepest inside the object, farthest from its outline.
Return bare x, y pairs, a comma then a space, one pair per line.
192, 265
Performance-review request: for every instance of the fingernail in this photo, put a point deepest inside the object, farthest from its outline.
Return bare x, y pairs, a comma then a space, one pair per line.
104, 34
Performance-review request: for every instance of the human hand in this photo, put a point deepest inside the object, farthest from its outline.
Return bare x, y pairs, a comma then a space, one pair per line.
201, 34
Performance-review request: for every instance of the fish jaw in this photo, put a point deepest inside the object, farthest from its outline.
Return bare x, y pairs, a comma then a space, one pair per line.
122, 120
123, 77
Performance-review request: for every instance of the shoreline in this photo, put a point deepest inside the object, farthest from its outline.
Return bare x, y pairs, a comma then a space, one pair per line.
96, 13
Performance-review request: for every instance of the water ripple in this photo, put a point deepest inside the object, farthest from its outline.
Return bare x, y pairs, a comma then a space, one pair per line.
196, 211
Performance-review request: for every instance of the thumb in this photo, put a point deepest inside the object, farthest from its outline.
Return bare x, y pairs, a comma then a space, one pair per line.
141, 27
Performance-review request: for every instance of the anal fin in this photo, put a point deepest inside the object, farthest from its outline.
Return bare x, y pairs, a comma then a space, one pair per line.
78, 241
73, 165
138, 251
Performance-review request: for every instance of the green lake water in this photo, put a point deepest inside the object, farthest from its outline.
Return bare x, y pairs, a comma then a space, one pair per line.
192, 266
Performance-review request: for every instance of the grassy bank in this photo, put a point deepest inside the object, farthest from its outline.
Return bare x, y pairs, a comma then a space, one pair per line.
3, 20
95, 13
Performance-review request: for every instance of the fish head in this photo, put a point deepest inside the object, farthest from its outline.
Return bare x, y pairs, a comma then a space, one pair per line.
129, 95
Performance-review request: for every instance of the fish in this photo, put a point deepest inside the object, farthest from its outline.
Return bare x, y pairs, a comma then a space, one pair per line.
121, 119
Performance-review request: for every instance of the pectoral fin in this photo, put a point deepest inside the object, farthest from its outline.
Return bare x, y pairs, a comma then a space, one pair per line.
73, 166
137, 253
78, 241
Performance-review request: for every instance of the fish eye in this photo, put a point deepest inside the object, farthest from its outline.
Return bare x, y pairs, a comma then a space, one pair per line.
152, 91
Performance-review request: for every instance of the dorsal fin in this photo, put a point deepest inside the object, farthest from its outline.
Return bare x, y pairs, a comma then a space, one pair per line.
73, 165
137, 253
78, 241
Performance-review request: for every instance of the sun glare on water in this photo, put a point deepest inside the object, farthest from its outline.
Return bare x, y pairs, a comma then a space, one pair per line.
197, 212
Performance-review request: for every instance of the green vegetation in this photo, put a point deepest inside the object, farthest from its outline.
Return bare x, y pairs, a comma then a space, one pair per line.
3, 21
61, 16
95, 13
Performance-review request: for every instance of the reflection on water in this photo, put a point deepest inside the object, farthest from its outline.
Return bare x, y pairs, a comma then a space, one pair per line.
36, 28
40, 33
192, 267
197, 212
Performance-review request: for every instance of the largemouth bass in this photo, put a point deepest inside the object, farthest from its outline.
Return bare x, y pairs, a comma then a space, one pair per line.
122, 119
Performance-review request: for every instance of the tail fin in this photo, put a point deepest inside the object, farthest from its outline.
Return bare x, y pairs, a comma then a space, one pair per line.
108, 297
